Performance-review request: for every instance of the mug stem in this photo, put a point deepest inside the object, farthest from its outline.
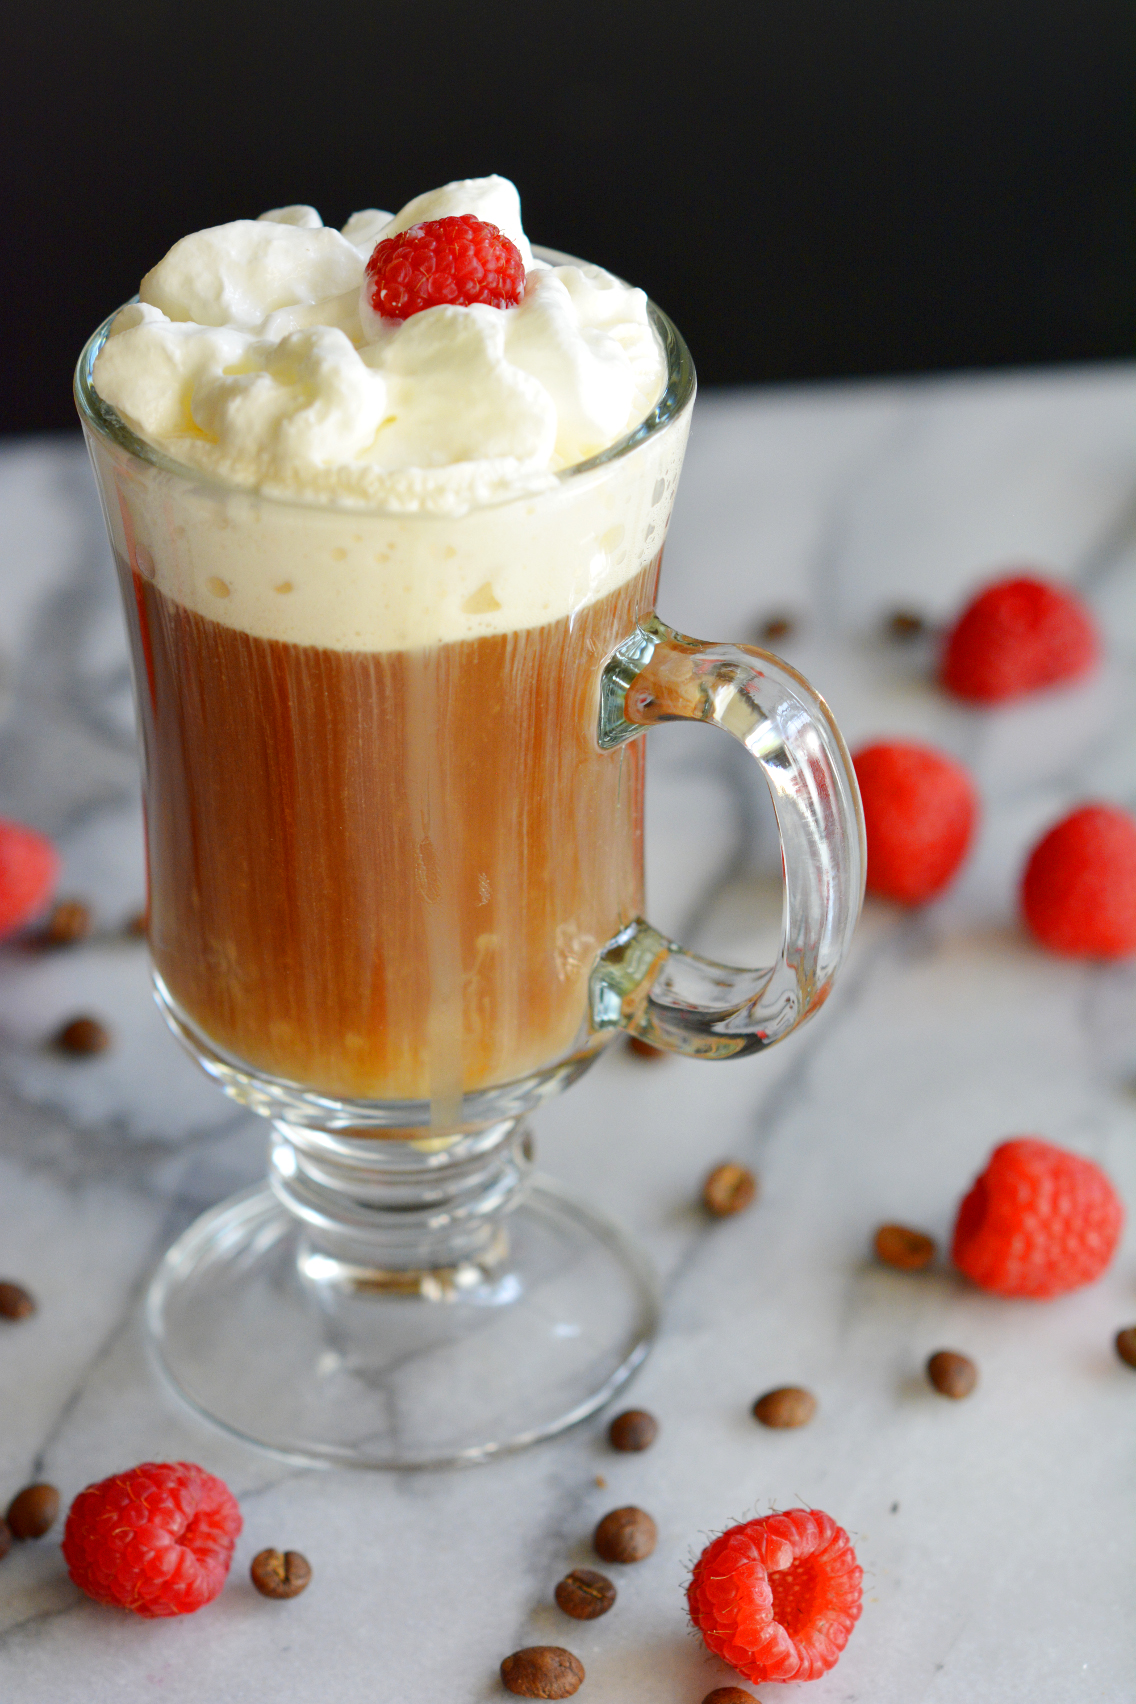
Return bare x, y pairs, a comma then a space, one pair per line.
391, 1214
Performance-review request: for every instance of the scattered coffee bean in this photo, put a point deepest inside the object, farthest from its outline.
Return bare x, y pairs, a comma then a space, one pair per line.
625, 1535
905, 624
1126, 1345
729, 1695
15, 1302
83, 1035
634, 1430
542, 1671
277, 1575
786, 1407
952, 1374
729, 1189
776, 627
70, 921
32, 1511
903, 1248
5, 1539
583, 1594
135, 925
643, 1049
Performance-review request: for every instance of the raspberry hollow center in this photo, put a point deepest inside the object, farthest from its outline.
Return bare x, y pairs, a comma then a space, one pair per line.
797, 1594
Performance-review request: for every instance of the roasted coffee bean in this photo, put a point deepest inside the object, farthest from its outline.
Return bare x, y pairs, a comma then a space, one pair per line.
33, 1510
542, 1671
15, 1302
1126, 1344
5, 1539
729, 1695
135, 925
69, 921
729, 1189
776, 627
785, 1407
643, 1049
583, 1594
903, 1248
625, 1535
905, 624
277, 1575
952, 1374
83, 1035
633, 1430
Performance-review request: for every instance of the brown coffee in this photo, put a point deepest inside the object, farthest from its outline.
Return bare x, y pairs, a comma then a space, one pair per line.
385, 875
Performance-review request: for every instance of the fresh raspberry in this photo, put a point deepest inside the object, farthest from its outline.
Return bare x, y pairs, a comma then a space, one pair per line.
1079, 887
29, 869
777, 1598
1016, 637
157, 1539
920, 809
458, 261
1037, 1222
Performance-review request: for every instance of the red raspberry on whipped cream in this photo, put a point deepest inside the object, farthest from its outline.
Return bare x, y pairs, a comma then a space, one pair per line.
286, 357
444, 262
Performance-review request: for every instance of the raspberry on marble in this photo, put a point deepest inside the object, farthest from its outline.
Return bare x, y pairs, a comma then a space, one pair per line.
157, 1539
1037, 1222
1017, 636
1079, 886
920, 812
777, 1598
29, 869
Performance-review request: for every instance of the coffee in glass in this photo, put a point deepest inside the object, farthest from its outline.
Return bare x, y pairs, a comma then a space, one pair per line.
394, 803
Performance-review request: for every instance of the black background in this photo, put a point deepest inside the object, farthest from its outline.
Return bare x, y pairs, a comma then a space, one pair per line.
811, 188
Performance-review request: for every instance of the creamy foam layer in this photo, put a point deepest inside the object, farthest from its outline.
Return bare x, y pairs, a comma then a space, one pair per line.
386, 494
350, 580
253, 354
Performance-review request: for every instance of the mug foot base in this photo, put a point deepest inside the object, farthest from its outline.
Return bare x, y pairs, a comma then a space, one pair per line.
349, 1366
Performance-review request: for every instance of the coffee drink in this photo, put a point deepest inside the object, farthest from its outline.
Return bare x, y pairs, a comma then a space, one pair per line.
373, 573
385, 875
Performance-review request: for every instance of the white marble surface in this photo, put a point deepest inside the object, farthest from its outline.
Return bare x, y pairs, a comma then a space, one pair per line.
998, 1536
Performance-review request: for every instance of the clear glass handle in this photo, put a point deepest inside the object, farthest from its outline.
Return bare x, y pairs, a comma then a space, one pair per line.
653, 987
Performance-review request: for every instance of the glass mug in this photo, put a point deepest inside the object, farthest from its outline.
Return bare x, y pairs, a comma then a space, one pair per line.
395, 902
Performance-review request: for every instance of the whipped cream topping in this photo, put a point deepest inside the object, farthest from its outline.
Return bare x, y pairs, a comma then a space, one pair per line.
254, 355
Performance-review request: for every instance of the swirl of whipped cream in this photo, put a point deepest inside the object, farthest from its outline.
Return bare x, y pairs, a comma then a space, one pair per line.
253, 354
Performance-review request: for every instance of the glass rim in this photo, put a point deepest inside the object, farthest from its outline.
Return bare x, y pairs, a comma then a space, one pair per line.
105, 422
